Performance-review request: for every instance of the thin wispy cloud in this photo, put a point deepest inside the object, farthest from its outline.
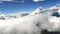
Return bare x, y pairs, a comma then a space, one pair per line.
22, 1
38, 0
58, 5
6, 0
1, 2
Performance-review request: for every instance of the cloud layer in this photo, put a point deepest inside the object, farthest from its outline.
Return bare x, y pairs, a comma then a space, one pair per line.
30, 23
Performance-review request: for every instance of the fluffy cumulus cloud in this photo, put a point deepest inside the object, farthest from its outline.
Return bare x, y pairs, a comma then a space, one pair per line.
58, 5
30, 23
56, 24
37, 0
54, 7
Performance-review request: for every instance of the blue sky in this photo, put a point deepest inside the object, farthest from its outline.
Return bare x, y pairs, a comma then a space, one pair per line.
13, 6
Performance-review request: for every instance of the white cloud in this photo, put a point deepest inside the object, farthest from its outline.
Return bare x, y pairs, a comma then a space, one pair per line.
37, 0
56, 24
28, 23
54, 7
18, 15
37, 11
57, 6
1, 1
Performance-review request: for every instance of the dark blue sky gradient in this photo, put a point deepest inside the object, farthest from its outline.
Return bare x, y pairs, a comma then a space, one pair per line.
28, 5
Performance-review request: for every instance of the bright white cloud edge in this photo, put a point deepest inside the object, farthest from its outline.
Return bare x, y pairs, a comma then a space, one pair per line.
38, 0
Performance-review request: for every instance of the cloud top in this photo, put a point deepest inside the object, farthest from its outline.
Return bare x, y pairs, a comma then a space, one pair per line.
33, 22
